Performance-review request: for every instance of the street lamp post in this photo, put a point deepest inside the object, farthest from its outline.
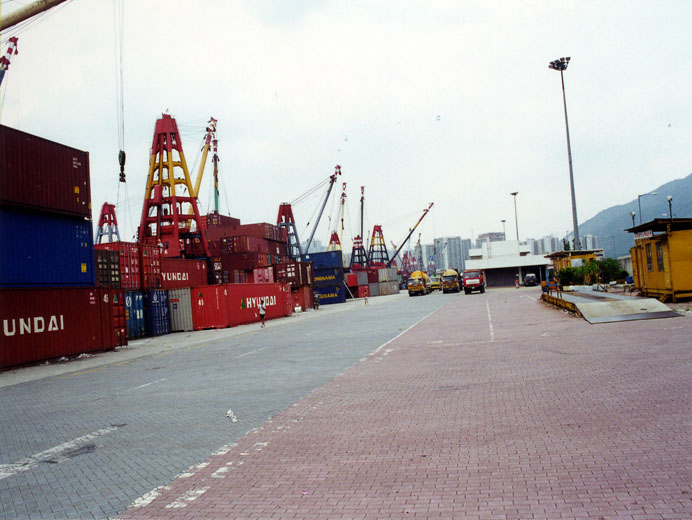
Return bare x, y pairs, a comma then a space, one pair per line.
670, 207
561, 65
639, 201
516, 222
504, 233
632, 214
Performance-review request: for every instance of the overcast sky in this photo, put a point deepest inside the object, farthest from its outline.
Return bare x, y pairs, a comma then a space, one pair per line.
450, 102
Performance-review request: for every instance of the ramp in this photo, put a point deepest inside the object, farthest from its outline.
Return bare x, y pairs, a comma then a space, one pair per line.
622, 310
599, 307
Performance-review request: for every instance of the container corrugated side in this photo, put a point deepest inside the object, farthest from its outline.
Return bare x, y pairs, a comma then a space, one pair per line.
179, 273
374, 289
325, 259
180, 307
107, 267
362, 277
394, 287
326, 277
42, 174
384, 288
243, 301
156, 313
130, 278
48, 323
134, 308
209, 305
329, 295
45, 250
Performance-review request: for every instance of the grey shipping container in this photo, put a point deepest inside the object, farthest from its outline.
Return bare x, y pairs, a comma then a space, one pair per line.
384, 288
382, 275
180, 307
42, 174
394, 287
362, 277
374, 289
393, 275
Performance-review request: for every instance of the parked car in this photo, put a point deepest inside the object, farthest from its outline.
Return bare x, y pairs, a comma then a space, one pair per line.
530, 280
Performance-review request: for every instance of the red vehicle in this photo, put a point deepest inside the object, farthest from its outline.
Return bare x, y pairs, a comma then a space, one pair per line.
473, 280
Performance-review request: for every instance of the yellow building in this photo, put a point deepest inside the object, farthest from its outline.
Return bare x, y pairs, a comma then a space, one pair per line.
662, 258
565, 259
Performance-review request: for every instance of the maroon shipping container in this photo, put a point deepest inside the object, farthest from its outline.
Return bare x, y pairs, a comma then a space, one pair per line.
130, 279
243, 301
209, 307
363, 291
352, 279
373, 277
150, 266
214, 220
250, 244
303, 298
42, 174
178, 273
43, 324
107, 265
244, 261
288, 272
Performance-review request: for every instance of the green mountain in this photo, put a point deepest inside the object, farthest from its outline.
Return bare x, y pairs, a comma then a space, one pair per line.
613, 221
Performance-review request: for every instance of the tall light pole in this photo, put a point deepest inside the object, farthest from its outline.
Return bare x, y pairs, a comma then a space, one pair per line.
516, 222
504, 233
639, 201
561, 65
670, 207
632, 214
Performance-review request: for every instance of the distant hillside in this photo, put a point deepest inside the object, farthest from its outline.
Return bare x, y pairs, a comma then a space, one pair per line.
613, 221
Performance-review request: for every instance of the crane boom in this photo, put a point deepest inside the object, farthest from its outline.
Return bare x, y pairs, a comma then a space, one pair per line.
208, 137
332, 180
27, 12
425, 212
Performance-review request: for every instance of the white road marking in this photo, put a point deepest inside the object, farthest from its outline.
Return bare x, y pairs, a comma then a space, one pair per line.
251, 352
403, 332
490, 322
190, 496
148, 498
55, 454
145, 384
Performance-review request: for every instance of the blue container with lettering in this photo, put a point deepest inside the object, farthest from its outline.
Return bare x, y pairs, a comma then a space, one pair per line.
156, 313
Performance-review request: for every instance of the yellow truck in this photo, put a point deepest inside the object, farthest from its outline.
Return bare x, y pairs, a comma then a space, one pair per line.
450, 281
418, 283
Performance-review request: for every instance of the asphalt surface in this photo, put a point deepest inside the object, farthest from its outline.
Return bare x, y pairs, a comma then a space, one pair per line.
492, 406
86, 438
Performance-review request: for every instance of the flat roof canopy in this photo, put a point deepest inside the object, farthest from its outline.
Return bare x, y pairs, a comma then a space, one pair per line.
660, 225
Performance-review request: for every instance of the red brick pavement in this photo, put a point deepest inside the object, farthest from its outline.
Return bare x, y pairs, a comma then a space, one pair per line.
494, 407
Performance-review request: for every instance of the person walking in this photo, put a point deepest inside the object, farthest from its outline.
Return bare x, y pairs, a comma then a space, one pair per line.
262, 311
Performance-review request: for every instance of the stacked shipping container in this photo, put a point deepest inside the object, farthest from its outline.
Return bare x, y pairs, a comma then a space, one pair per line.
329, 276
50, 306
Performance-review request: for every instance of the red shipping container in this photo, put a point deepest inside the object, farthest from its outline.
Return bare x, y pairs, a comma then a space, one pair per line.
209, 307
43, 324
352, 279
178, 273
363, 291
129, 263
373, 277
214, 220
243, 300
303, 298
113, 318
288, 272
43, 174
150, 266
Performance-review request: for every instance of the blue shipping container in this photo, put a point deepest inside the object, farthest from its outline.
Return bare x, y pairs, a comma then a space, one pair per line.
325, 259
134, 314
156, 313
329, 277
45, 250
328, 295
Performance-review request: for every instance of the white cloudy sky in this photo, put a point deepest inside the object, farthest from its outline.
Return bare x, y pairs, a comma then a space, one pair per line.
420, 101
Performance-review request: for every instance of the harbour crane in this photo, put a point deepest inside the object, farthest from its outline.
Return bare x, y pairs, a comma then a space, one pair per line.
425, 212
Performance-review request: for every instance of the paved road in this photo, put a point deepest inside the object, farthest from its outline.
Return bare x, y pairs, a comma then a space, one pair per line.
495, 406
88, 443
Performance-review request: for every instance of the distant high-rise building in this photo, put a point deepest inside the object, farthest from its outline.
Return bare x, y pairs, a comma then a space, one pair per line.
493, 236
465, 249
448, 253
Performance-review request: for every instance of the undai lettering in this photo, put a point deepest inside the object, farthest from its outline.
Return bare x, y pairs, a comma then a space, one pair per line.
34, 325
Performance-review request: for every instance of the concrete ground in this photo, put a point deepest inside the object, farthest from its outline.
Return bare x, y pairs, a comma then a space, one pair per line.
494, 406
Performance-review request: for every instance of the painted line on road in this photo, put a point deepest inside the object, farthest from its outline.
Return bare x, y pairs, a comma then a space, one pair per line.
403, 332
490, 322
142, 386
58, 453
251, 352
